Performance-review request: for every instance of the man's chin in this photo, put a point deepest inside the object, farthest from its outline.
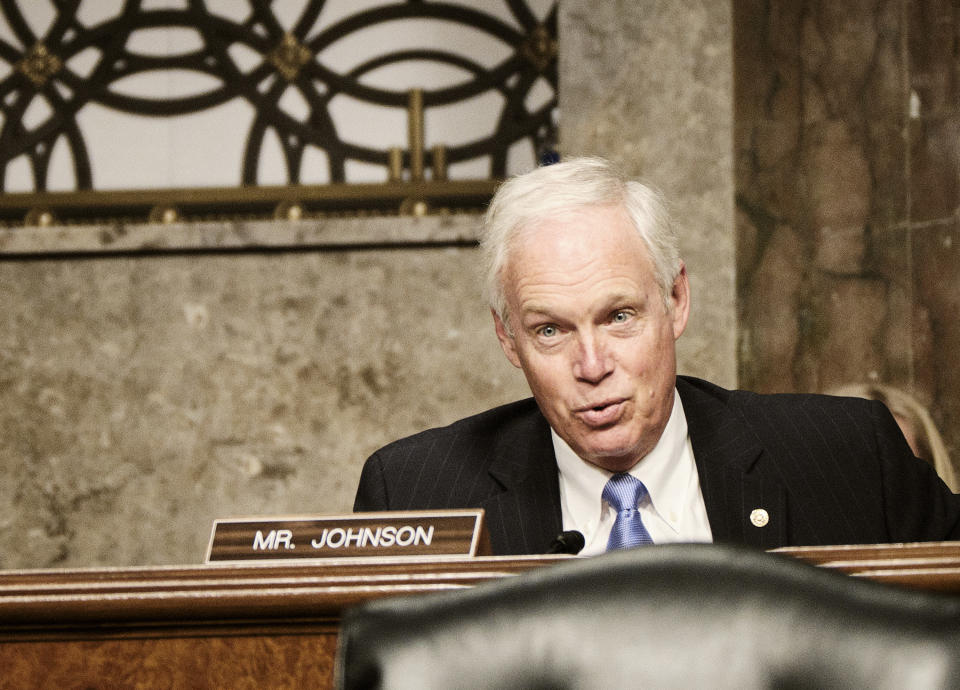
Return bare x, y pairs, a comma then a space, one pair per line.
613, 459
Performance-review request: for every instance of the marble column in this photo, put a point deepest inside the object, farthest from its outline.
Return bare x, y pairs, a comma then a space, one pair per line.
650, 85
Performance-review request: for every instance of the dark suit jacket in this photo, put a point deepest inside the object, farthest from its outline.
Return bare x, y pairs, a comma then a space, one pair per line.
827, 471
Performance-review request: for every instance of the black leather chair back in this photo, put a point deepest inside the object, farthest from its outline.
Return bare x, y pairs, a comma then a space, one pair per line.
670, 616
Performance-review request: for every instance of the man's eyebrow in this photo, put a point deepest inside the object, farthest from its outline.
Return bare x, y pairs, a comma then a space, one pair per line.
537, 310
624, 298
621, 300
610, 303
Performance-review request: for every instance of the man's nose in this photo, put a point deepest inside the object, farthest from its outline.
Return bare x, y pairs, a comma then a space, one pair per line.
593, 359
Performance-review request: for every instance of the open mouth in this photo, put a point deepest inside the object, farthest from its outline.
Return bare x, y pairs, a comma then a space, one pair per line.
604, 414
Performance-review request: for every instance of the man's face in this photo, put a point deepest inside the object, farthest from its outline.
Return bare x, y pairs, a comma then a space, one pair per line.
592, 334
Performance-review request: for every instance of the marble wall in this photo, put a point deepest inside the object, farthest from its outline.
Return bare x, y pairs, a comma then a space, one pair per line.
847, 120
650, 85
144, 395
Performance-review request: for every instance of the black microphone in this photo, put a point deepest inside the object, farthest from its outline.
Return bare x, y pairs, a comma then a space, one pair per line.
570, 542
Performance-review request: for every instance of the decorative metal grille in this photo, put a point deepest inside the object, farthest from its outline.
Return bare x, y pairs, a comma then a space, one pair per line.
42, 73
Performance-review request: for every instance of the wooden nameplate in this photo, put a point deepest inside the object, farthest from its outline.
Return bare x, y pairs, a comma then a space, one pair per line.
454, 533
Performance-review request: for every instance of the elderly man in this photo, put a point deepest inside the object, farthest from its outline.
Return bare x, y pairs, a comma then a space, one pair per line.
589, 295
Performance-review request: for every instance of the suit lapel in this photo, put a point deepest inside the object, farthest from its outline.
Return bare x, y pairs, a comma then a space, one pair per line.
745, 503
525, 517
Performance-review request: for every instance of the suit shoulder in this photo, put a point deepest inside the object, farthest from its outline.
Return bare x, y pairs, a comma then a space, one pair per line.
709, 406
745, 400
749, 400
449, 466
487, 426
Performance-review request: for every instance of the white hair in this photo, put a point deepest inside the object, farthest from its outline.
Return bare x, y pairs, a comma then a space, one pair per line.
568, 186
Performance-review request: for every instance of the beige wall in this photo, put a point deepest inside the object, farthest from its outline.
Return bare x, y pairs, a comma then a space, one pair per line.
650, 85
143, 396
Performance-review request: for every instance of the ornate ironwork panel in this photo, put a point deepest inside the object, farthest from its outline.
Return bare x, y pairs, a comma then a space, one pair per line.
253, 53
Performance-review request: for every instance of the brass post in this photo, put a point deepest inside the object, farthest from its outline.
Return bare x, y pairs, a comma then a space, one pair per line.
395, 164
415, 133
439, 155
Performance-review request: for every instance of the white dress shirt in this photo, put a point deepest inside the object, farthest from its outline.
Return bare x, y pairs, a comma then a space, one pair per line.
673, 511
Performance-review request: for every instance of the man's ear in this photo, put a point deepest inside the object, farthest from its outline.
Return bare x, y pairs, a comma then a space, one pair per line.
506, 340
680, 301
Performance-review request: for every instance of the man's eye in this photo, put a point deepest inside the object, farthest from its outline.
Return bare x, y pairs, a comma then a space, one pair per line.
547, 331
620, 317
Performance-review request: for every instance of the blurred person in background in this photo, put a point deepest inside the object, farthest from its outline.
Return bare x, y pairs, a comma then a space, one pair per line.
915, 422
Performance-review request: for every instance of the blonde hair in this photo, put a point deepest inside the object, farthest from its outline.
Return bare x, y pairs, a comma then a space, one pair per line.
902, 405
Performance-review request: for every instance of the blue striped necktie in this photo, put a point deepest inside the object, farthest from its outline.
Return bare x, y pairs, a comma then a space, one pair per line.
624, 492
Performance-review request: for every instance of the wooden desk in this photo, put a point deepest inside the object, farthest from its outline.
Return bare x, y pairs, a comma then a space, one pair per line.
268, 626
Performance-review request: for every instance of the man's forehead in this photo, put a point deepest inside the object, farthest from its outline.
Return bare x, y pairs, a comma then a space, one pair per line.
539, 287
604, 235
